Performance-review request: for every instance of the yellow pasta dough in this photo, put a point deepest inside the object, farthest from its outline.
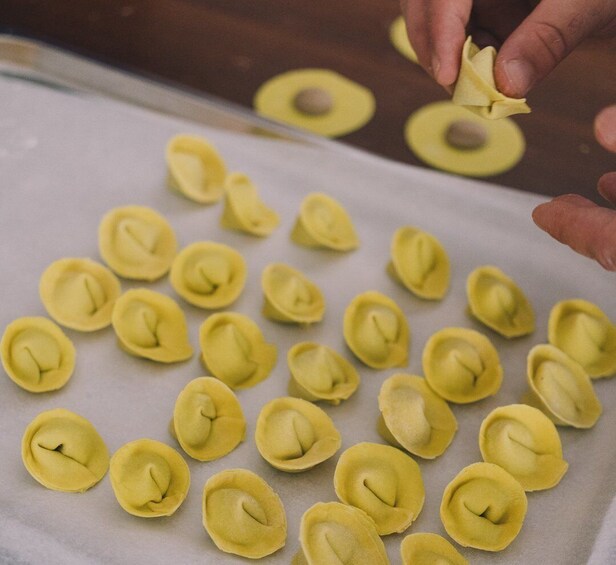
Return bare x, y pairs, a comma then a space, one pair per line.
476, 88
461, 365
208, 274
331, 532
36, 354
151, 325
429, 549
584, 332
376, 330
196, 169
289, 296
235, 351
524, 442
496, 301
400, 39
244, 211
323, 222
294, 435
343, 105
63, 451
561, 388
320, 373
382, 481
243, 515
149, 478
136, 242
208, 421
79, 293
483, 507
420, 263
414, 417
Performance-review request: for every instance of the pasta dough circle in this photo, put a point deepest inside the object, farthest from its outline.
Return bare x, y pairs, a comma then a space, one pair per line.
429, 549
63, 451
400, 39
36, 354
425, 133
243, 515
382, 481
483, 507
353, 105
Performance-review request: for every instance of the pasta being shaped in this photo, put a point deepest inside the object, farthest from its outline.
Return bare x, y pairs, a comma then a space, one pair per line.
461, 365
234, 350
429, 549
36, 354
496, 301
420, 263
320, 373
400, 40
195, 169
414, 418
476, 89
244, 210
523, 441
208, 274
151, 325
323, 222
584, 332
332, 532
136, 242
294, 435
63, 451
289, 296
483, 507
149, 478
382, 481
561, 388
79, 293
243, 515
376, 331
208, 421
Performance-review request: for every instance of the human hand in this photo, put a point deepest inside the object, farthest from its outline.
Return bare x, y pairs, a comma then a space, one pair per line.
532, 37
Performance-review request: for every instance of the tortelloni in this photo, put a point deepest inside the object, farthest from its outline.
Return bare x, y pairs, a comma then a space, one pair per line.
289, 296
320, 373
234, 350
208, 274
461, 365
483, 507
384, 482
151, 325
63, 451
244, 211
331, 532
294, 435
376, 331
429, 549
561, 388
243, 515
36, 354
323, 222
136, 242
196, 169
585, 333
414, 417
149, 478
208, 421
420, 263
79, 293
523, 441
496, 301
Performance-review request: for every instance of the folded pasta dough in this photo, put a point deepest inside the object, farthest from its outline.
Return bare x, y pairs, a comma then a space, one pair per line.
476, 89
429, 549
384, 482
243, 515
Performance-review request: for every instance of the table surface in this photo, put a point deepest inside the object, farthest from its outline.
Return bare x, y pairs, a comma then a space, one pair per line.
228, 49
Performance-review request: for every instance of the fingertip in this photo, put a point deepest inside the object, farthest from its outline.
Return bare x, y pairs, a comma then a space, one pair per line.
605, 127
607, 187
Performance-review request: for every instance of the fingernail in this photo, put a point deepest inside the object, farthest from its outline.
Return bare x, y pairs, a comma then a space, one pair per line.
520, 75
435, 66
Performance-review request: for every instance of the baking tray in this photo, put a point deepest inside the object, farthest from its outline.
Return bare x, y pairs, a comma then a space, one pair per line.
79, 138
